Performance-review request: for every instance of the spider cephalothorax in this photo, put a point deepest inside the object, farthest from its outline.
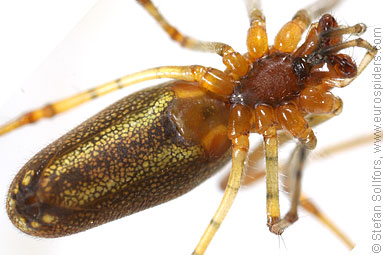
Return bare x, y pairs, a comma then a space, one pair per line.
293, 84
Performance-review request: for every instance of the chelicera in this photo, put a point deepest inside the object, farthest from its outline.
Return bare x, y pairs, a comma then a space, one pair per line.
281, 87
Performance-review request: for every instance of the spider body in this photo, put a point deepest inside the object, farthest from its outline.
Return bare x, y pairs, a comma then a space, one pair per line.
160, 143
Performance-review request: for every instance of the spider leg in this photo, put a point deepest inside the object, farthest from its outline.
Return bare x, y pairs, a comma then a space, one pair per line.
256, 42
239, 154
183, 40
253, 9
357, 29
238, 133
299, 156
234, 61
276, 225
209, 78
252, 177
272, 183
293, 186
290, 34
359, 42
303, 132
310, 207
255, 156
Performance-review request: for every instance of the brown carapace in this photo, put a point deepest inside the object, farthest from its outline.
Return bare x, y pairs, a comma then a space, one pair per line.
159, 143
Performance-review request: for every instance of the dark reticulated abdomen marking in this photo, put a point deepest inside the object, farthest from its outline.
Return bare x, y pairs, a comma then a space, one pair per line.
127, 158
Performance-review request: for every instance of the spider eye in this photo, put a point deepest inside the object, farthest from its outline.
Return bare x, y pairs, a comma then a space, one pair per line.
300, 67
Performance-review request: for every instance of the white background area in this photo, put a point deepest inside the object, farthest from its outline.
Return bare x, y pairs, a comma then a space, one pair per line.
52, 49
